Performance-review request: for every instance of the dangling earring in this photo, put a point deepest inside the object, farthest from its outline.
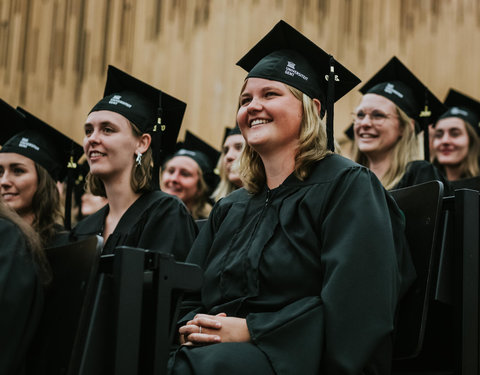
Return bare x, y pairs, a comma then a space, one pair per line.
138, 160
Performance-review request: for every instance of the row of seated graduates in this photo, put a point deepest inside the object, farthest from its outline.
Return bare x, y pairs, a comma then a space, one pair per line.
101, 321
117, 313
126, 299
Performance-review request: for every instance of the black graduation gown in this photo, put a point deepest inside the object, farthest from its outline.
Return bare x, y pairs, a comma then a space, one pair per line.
21, 299
155, 221
420, 171
316, 268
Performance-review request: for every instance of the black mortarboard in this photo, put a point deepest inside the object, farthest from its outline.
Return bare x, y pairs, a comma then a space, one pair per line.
46, 146
204, 155
40, 142
230, 131
464, 107
397, 83
148, 108
287, 56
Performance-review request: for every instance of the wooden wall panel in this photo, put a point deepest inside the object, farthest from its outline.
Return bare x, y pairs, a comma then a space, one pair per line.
54, 53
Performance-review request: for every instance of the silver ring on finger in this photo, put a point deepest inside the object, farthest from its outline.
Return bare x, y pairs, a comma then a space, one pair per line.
200, 329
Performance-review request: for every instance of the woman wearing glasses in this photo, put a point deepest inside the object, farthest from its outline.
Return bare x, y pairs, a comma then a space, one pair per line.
384, 126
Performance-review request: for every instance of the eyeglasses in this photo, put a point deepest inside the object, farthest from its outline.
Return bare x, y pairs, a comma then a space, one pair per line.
376, 117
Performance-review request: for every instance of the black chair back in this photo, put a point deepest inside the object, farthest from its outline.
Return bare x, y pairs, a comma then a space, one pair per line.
422, 206
74, 268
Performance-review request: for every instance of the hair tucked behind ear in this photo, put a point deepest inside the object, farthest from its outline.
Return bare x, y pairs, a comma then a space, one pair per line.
140, 178
312, 147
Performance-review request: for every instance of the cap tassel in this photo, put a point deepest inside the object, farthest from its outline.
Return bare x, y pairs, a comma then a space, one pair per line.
157, 145
330, 102
68, 196
425, 116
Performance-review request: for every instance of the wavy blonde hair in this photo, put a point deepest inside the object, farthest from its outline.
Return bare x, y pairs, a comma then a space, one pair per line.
469, 166
405, 151
312, 147
139, 178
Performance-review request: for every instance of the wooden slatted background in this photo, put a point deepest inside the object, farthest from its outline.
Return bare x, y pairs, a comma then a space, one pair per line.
54, 53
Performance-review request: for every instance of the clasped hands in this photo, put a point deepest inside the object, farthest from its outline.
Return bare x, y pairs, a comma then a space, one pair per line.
207, 329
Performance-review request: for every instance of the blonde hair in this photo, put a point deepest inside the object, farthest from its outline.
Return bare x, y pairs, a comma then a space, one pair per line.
139, 179
469, 166
405, 151
312, 146
225, 186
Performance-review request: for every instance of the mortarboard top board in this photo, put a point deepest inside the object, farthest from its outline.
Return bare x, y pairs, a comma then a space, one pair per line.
397, 83
12, 120
464, 107
287, 56
41, 143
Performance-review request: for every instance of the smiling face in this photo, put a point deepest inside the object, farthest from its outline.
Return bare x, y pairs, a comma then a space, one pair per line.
450, 141
110, 145
269, 116
180, 177
376, 126
232, 148
18, 182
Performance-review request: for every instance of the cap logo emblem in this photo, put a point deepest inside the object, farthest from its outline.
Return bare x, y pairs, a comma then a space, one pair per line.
458, 111
290, 71
116, 99
335, 77
24, 143
390, 89
185, 152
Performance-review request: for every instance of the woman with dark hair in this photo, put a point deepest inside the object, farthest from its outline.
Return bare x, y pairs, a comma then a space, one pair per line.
33, 158
230, 180
23, 272
119, 151
385, 123
303, 267
456, 142
188, 174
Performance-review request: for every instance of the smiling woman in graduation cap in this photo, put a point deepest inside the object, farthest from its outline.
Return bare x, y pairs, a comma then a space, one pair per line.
33, 157
304, 266
189, 174
456, 141
394, 105
119, 150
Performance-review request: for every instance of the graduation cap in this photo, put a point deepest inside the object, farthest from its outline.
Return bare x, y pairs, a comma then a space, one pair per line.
148, 108
204, 155
287, 56
397, 83
40, 142
464, 107
229, 132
